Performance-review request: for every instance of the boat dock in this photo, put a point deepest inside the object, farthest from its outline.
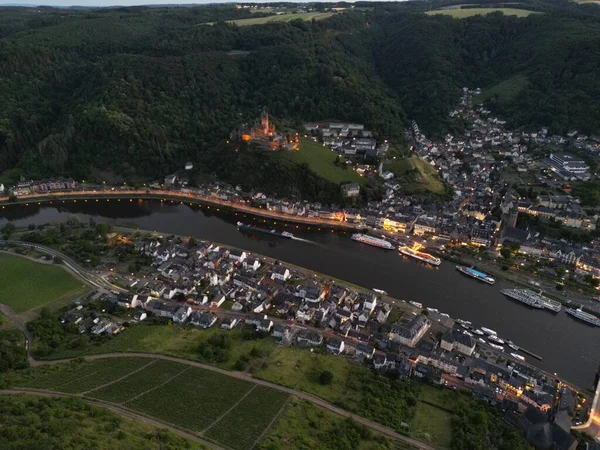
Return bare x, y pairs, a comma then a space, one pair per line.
536, 356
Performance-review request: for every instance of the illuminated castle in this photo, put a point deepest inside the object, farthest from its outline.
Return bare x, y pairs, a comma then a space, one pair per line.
264, 134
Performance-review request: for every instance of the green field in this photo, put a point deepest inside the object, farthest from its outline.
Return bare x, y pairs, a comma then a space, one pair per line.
30, 422
300, 369
281, 18
505, 90
321, 159
304, 426
26, 284
267, 402
469, 12
415, 175
175, 341
431, 424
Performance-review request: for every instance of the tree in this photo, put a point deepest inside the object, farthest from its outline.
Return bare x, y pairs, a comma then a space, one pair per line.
326, 377
7, 230
57, 260
506, 252
193, 241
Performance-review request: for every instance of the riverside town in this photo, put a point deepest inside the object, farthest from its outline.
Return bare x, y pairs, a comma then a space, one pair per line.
543, 241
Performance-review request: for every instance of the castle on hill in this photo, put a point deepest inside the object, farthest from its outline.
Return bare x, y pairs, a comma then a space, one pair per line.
264, 134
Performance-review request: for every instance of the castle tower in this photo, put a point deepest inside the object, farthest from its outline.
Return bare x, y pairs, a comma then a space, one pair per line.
264, 122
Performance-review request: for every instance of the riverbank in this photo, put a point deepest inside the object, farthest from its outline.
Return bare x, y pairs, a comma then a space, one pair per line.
555, 337
178, 196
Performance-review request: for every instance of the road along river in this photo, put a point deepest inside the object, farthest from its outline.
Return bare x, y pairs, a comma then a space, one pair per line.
568, 347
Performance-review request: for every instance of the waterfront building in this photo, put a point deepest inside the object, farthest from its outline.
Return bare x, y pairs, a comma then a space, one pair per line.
456, 340
410, 333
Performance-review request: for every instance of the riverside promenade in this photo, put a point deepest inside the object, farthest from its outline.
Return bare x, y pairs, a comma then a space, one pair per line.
177, 196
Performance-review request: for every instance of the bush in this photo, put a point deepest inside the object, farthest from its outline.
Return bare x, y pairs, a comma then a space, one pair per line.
326, 377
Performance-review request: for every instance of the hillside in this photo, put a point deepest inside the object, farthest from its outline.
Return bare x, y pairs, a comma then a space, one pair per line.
554, 57
133, 93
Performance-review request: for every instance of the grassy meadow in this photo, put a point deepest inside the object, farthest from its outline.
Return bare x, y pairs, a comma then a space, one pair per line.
321, 159
281, 18
462, 13
25, 284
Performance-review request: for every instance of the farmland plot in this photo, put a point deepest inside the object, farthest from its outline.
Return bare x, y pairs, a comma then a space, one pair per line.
77, 378
193, 400
242, 426
140, 382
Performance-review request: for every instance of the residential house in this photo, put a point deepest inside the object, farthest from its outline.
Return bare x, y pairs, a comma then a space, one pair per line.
181, 314
280, 273
455, 339
203, 319
265, 326
364, 350
335, 345
308, 338
282, 332
229, 323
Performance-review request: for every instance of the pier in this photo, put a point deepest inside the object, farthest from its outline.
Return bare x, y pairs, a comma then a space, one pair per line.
536, 356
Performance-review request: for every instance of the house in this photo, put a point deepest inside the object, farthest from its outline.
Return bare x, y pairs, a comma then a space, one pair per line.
310, 294
335, 345
307, 338
379, 361
411, 332
237, 255
140, 316
455, 339
282, 332
229, 323
265, 325
364, 350
181, 314
280, 273
203, 319
351, 189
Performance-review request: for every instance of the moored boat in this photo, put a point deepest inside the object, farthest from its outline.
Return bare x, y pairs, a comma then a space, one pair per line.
478, 332
370, 240
532, 299
496, 346
379, 291
470, 272
416, 304
421, 256
517, 356
583, 316
496, 339
488, 331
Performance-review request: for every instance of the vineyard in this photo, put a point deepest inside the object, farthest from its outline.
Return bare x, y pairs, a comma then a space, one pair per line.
76, 378
244, 417
235, 413
150, 378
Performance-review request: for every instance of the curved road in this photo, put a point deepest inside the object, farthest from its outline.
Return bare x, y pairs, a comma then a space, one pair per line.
244, 376
87, 276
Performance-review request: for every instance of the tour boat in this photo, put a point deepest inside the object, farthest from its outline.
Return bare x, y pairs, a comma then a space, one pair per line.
421, 256
370, 240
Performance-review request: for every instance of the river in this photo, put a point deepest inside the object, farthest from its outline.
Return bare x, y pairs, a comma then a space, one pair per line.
568, 347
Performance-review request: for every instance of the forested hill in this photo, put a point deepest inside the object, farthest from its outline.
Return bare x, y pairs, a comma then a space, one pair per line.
139, 91
549, 63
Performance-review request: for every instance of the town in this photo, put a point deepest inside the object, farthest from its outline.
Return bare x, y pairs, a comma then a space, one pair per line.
206, 285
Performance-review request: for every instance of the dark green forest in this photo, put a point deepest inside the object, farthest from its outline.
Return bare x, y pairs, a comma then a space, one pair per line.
134, 93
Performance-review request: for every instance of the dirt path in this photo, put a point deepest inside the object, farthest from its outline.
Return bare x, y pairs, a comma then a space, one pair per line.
120, 411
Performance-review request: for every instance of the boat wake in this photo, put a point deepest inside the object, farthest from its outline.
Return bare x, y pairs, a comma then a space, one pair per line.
303, 240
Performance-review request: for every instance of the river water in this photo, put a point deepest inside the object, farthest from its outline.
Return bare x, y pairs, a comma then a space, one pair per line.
568, 347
